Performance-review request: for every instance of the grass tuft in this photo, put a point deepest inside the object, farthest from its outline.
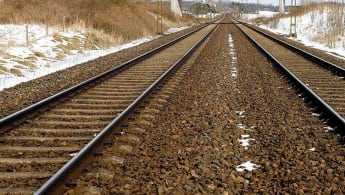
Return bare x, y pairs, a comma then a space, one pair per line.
39, 54
16, 72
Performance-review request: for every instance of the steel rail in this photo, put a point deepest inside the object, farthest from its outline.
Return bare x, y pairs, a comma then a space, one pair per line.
12, 120
340, 71
335, 119
57, 182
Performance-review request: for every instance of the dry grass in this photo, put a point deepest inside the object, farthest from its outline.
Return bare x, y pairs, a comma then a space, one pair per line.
60, 56
272, 20
124, 19
39, 54
57, 37
26, 63
101, 39
3, 69
15, 71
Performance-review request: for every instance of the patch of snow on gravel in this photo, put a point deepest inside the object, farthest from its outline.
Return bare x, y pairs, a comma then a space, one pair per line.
328, 128
233, 58
244, 141
240, 113
242, 126
249, 166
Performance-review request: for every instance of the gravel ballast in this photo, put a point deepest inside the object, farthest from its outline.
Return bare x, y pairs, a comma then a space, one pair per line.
194, 146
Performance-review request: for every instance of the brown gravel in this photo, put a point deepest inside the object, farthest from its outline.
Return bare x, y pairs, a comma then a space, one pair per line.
193, 145
25, 94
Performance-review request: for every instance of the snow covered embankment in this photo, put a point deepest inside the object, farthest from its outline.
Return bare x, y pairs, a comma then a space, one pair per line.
48, 52
317, 29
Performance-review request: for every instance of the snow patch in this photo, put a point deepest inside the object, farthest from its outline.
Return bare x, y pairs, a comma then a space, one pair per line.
245, 136
315, 114
266, 14
233, 58
13, 34
240, 113
249, 166
173, 30
312, 149
244, 141
328, 128
242, 126
73, 154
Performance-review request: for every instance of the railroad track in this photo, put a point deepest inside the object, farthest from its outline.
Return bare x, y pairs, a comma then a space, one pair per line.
52, 141
321, 84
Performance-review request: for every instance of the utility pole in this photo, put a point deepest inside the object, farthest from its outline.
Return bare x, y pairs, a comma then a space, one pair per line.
342, 14
241, 9
27, 35
194, 8
160, 17
258, 7
246, 9
293, 19
176, 8
281, 6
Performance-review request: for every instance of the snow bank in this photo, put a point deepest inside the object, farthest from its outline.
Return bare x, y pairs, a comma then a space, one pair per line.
267, 14
47, 54
314, 29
